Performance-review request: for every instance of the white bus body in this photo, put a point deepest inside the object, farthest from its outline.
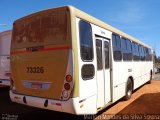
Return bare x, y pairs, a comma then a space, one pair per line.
101, 73
5, 42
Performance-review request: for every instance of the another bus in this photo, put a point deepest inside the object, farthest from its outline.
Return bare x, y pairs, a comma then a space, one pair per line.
5, 42
65, 60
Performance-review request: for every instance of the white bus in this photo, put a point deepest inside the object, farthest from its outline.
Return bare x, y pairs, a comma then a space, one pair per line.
5, 42
65, 60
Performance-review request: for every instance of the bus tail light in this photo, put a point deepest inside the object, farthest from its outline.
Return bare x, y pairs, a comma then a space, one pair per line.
68, 80
67, 86
65, 94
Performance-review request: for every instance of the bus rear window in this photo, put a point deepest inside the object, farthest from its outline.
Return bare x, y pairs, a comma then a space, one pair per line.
43, 28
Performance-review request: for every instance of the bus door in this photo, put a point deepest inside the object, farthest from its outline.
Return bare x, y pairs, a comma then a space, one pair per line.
103, 71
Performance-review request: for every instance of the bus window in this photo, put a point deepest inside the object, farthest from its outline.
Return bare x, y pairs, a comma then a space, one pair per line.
133, 50
51, 28
147, 54
150, 54
124, 48
106, 52
87, 71
129, 50
142, 53
138, 57
99, 54
144, 50
116, 43
86, 41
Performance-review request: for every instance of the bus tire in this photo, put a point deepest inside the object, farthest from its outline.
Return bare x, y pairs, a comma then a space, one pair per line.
129, 89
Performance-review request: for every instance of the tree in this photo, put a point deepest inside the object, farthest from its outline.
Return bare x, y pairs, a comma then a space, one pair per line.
154, 57
158, 59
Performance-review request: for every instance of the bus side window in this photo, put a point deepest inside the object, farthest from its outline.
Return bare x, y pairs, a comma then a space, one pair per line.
144, 50
135, 51
150, 54
138, 52
142, 54
87, 71
129, 50
147, 54
116, 43
124, 48
86, 41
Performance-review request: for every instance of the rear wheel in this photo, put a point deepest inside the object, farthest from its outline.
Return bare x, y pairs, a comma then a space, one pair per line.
129, 89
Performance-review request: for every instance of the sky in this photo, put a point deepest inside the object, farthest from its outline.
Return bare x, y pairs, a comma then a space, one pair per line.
138, 18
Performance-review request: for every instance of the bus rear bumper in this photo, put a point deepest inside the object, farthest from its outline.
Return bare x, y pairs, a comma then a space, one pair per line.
72, 106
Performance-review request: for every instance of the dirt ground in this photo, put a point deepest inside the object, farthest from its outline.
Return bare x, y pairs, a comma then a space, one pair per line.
144, 104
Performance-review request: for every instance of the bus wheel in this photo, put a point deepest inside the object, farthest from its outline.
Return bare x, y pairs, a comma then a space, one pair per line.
129, 89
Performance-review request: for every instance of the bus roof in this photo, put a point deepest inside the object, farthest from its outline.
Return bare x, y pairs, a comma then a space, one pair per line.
78, 13
91, 19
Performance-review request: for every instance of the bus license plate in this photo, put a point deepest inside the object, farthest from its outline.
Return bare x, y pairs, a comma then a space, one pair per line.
36, 85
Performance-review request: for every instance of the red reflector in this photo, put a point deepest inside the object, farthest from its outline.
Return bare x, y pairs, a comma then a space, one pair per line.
58, 104
67, 86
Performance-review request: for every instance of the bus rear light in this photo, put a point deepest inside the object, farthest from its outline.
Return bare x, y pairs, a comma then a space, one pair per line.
68, 78
67, 86
65, 94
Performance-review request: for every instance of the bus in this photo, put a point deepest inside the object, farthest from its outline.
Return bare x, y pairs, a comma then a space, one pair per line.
5, 42
65, 60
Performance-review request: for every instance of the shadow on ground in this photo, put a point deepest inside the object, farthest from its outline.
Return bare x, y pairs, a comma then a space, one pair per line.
10, 110
141, 109
146, 104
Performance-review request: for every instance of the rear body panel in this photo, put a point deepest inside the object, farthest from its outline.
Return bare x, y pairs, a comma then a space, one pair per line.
40, 73
41, 45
